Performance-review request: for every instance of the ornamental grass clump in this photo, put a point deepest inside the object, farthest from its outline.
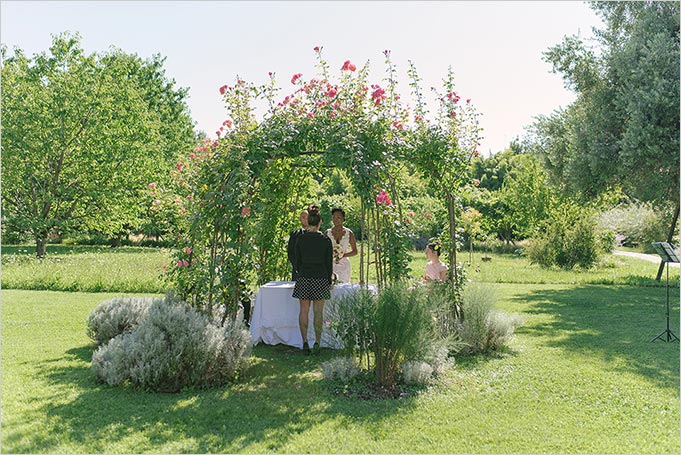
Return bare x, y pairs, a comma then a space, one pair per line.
404, 329
483, 328
116, 316
174, 347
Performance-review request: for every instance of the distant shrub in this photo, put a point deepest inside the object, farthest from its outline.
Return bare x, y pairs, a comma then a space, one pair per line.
342, 369
637, 223
416, 372
569, 238
116, 316
172, 348
483, 328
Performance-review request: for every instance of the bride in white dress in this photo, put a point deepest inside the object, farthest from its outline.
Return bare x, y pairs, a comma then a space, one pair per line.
344, 245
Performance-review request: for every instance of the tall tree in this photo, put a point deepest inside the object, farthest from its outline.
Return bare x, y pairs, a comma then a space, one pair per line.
624, 126
83, 135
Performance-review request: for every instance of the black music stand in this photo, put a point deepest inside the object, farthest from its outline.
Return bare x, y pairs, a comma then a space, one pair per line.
667, 253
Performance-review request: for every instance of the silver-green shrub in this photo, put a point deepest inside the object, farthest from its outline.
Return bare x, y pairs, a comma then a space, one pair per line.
416, 372
340, 368
174, 347
637, 223
116, 316
438, 358
483, 328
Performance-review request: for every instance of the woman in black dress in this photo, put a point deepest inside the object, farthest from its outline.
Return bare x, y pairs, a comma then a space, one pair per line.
314, 258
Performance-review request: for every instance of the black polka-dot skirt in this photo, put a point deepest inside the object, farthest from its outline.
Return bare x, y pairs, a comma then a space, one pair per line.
312, 289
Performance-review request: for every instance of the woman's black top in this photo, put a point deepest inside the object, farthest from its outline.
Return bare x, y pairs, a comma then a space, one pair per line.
314, 255
291, 250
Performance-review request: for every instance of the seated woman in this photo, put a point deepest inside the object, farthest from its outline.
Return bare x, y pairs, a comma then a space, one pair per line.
344, 245
436, 270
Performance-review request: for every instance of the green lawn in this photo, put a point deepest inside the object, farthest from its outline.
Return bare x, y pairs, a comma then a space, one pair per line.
85, 268
581, 376
134, 269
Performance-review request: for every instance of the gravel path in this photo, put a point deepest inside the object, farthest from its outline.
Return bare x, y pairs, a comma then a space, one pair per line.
646, 257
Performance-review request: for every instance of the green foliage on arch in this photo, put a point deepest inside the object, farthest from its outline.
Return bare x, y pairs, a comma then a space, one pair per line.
248, 186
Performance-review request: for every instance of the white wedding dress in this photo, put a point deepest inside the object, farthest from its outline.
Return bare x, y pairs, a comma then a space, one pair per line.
342, 267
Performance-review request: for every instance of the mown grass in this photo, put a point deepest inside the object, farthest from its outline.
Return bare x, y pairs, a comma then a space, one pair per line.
136, 269
86, 269
581, 376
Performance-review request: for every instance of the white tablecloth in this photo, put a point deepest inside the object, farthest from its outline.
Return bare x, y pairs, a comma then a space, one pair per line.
274, 317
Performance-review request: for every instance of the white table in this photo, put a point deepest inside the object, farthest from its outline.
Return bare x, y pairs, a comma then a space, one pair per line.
274, 317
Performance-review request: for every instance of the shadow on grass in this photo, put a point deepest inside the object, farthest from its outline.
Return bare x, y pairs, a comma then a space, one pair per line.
280, 395
614, 322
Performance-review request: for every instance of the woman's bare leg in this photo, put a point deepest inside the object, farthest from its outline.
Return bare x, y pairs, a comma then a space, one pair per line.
303, 318
318, 310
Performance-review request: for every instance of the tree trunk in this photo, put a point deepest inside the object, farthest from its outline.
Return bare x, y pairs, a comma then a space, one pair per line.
41, 246
670, 236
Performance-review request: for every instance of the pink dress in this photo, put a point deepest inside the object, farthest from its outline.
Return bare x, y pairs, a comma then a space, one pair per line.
433, 270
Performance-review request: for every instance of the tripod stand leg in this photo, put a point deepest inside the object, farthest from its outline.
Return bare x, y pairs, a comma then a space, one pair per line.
669, 333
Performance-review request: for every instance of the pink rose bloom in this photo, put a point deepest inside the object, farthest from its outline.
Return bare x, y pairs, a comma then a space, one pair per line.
348, 66
223, 89
245, 211
316, 49
179, 263
378, 94
383, 198
185, 263
179, 166
188, 251
296, 77
191, 156
152, 185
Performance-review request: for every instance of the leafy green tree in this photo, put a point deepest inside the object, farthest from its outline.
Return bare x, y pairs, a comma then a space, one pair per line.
83, 136
526, 195
623, 129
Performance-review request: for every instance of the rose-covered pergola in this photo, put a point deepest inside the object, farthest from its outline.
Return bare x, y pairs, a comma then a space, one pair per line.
245, 189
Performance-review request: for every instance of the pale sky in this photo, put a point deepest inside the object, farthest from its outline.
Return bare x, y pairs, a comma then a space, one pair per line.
494, 47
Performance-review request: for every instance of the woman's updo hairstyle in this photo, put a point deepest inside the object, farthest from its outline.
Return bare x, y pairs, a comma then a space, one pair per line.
313, 217
338, 209
435, 246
